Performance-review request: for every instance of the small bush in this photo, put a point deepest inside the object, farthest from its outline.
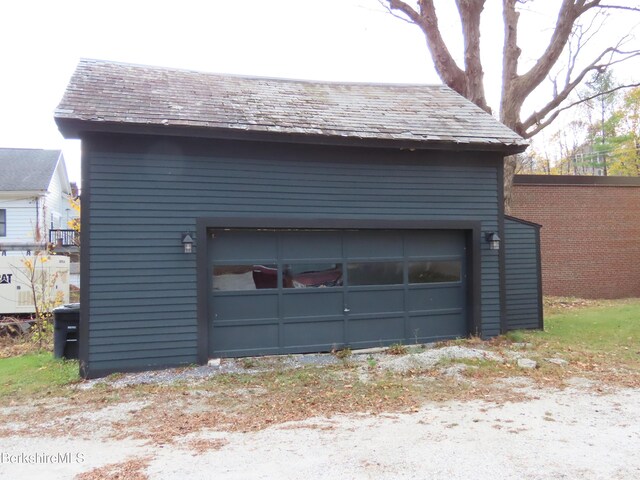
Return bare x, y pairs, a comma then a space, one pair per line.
342, 354
397, 349
248, 363
371, 362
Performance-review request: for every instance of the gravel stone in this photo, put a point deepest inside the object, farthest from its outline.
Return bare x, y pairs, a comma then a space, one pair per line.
455, 371
425, 359
521, 345
197, 374
430, 358
558, 361
527, 363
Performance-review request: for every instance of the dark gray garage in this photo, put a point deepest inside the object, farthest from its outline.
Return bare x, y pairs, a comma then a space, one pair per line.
233, 216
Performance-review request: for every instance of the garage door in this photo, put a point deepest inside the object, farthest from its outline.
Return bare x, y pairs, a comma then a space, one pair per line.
295, 291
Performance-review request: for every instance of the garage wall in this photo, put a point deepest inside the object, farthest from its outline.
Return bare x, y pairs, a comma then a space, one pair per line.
140, 194
522, 274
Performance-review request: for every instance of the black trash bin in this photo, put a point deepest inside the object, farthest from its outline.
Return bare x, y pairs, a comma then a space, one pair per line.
66, 327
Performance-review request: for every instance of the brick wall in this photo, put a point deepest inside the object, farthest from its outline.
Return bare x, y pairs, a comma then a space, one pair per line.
590, 236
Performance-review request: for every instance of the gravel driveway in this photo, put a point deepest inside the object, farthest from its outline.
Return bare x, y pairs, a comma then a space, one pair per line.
569, 434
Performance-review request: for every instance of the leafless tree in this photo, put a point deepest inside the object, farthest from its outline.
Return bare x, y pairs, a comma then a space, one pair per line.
578, 24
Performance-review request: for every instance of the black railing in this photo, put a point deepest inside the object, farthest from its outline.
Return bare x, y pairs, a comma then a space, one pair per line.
65, 238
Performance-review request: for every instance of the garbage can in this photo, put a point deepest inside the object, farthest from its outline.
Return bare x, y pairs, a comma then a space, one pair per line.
66, 326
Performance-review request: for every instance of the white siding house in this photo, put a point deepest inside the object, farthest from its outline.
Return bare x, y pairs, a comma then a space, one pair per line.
34, 199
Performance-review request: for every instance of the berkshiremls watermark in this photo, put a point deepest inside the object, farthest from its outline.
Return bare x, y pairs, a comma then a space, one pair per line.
41, 458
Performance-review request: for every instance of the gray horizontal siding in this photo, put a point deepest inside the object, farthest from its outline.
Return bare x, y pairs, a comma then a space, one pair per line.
142, 198
522, 275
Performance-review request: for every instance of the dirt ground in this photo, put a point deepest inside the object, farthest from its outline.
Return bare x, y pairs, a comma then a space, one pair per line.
579, 432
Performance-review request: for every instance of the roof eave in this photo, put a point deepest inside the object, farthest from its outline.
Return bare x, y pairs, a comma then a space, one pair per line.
22, 193
73, 128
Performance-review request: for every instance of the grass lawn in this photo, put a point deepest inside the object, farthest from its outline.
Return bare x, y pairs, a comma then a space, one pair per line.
35, 374
608, 329
603, 329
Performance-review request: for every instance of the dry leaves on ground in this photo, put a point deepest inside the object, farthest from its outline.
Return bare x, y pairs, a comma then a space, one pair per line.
133, 469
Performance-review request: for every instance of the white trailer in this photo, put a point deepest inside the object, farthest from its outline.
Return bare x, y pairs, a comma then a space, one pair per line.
19, 276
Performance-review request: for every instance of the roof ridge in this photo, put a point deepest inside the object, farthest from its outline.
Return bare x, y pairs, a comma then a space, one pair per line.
96, 61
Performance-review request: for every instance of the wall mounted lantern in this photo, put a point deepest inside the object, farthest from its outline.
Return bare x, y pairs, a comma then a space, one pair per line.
187, 242
494, 240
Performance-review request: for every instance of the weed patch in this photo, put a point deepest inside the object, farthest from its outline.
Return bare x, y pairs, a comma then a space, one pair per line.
397, 349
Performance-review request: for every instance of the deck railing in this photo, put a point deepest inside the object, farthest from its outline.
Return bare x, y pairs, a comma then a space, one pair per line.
65, 238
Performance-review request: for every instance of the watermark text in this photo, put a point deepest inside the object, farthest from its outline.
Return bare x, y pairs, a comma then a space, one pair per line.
32, 458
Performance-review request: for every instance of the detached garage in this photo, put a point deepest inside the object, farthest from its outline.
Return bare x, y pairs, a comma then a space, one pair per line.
232, 216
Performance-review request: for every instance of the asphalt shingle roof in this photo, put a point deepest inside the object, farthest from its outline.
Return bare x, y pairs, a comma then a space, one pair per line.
25, 169
107, 94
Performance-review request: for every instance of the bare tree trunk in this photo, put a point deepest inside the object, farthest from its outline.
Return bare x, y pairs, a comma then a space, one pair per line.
510, 164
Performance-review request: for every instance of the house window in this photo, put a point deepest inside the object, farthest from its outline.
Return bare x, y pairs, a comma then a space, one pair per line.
3, 223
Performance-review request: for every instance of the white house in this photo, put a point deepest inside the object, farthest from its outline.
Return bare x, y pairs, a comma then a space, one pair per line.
35, 198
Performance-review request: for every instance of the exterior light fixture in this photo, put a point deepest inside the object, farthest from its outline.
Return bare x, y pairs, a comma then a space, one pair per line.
187, 242
494, 240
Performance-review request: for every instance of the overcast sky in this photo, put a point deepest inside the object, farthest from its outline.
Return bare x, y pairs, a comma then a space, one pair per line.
351, 40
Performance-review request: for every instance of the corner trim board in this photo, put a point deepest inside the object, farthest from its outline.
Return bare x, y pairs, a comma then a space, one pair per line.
501, 253
85, 270
539, 262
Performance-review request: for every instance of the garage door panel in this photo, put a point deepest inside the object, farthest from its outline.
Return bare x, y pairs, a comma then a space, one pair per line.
379, 331
314, 319
375, 301
420, 299
247, 322
425, 328
381, 245
238, 307
313, 334
314, 303
435, 243
245, 246
311, 245
244, 340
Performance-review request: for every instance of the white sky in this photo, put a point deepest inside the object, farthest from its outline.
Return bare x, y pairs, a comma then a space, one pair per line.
351, 40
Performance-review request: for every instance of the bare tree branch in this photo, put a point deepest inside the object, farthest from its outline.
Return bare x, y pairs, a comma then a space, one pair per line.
470, 11
619, 7
536, 117
394, 14
589, 32
446, 67
405, 8
527, 82
541, 125
510, 56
